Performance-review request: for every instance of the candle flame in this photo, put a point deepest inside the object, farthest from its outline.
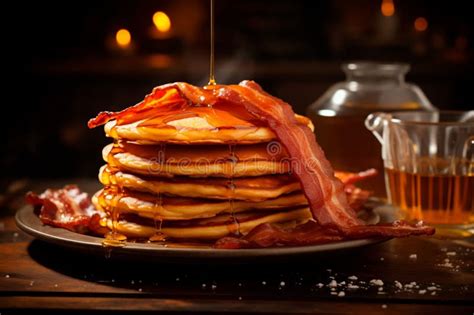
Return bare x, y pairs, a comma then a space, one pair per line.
123, 37
420, 24
387, 8
162, 21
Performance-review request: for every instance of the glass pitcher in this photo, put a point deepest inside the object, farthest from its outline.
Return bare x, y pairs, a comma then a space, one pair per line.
429, 164
339, 114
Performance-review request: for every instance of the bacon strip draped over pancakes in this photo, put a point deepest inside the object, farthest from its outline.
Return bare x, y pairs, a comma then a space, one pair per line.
68, 208
324, 192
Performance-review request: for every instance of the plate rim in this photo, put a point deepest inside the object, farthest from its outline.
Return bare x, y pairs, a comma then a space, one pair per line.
66, 238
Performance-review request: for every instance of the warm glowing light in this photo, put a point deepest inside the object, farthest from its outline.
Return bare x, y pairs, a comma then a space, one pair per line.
421, 24
387, 8
162, 21
123, 37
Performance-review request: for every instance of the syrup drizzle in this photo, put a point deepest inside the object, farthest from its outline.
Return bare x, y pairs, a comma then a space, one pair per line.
113, 238
157, 219
235, 227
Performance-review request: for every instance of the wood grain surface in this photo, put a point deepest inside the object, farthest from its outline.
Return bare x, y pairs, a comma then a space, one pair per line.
46, 278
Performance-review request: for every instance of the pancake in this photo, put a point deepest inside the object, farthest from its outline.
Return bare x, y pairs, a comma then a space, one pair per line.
198, 125
179, 208
211, 229
243, 188
147, 160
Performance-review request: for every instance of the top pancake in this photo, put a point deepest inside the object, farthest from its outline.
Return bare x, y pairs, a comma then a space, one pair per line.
196, 125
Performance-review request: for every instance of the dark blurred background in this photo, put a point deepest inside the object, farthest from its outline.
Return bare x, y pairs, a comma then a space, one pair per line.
69, 60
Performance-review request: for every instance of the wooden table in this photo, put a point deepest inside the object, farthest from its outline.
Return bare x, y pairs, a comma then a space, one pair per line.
42, 277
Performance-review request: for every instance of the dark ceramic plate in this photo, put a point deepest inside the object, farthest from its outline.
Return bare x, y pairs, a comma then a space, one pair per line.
30, 223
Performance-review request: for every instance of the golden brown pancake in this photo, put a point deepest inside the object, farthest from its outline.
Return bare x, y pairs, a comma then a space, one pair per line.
212, 229
198, 127
179, 208
148, 161
243, 188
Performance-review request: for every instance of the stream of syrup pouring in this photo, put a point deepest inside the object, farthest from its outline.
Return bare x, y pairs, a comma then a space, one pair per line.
234, 227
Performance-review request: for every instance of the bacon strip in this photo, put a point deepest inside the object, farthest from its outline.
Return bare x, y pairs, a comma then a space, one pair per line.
325, 193
349, 178
68, 208
310, 233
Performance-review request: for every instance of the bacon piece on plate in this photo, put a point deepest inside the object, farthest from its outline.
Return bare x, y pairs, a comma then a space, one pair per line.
348, 178
356, 197
68, 208
271, 235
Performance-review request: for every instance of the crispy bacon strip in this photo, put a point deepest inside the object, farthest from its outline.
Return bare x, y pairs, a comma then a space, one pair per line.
271, 235
68, 208
325, 193
349, 178
310, 233
356, 197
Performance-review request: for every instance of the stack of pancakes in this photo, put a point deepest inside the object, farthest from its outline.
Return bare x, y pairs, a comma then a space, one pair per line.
202, 174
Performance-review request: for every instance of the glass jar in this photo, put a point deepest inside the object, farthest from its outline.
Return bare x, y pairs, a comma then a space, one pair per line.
339, 114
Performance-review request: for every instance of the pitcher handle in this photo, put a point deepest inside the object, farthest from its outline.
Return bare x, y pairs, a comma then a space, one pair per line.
468, 148
374, 123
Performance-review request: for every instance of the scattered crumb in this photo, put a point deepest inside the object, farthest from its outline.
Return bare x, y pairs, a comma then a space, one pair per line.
422, 292
332, 284
446, 264
398, 284
333, 293
56, 285
320, 285
203, 285
451, 253
376, 282
264, 282
384, 305
7, 276
352, 286
380, 288
240, 284
15, 234
282, 283
341, 294
413, 257
213, 287
140, 289
432, 288
444, 249
177, 279
433, 293
410, 285
240, 298
352, 278
31, 283
382, 259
